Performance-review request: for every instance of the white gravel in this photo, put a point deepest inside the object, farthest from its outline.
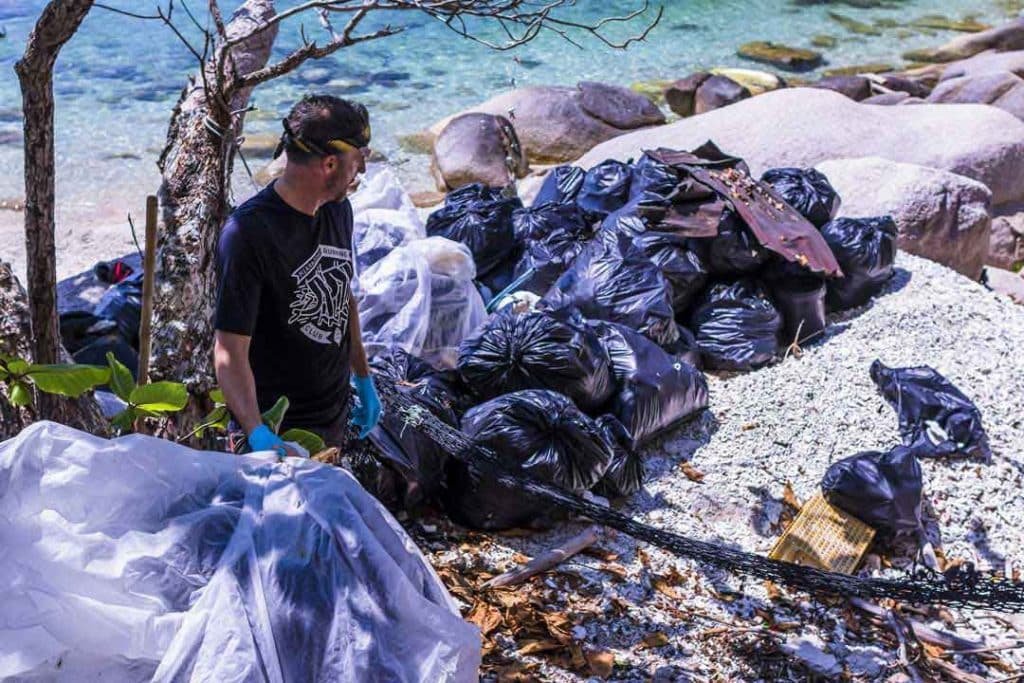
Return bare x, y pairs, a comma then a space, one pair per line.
788, 422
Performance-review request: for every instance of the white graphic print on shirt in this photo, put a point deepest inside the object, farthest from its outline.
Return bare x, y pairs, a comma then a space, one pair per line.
322, 283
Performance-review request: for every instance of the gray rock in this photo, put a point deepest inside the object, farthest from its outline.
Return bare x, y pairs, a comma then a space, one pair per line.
1001, 38
473, 148
889, 99
810, 125
999, 88
1006, 249
986, 62
681, 96
857, 88
617, 106
554, 126
911, 86
717, 92
940, 215
1005, 282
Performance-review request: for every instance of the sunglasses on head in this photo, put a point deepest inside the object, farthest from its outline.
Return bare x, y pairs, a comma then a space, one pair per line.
334, 146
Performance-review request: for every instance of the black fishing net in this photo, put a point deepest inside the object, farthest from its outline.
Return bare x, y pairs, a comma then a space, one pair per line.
960, 587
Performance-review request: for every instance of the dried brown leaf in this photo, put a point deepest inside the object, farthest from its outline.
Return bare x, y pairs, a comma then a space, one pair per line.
653, 640
691, 472
601, 662
789, 497
532, 647
615, 569
485, 616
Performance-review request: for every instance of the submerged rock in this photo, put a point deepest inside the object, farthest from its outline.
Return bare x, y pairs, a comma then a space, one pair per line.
781, 56
1001, 38
942, 23
870, 68
853, 25
824, 41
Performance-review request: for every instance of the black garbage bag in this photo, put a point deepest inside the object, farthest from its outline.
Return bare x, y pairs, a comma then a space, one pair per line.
95, 353
480, 218
682, 267
686, 347
536, 350
537, 433
737, 327
807, 190
605, 188
734, 251
540, 221
656, 390
548, 258
122, 303
650, 178
78, 329
614, 280
562, 184
883, 490
413, 464
866, 251
799, 294
625, 473
936, 419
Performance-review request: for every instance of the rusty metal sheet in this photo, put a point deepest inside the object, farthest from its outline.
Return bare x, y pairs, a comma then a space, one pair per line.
776, 225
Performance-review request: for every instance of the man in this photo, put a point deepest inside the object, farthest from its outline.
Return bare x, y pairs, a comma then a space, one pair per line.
286, 321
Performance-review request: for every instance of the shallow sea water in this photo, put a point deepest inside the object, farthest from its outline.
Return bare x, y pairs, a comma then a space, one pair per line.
118, 79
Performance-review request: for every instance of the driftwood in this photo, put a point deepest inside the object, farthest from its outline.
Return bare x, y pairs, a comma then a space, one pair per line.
547, 560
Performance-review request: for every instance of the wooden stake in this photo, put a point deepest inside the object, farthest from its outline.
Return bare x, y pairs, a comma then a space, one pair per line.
547, 560
148, 275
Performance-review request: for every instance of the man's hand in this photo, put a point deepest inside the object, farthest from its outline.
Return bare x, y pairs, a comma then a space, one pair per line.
367, 413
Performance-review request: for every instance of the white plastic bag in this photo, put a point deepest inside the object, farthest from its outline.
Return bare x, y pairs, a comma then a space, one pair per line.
456, 307
384, 217
139, 559
394, 302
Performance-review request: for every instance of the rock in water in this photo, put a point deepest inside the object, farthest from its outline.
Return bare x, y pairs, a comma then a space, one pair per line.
475, 148
857, 88
1001, 38
999, 88
781, 56
940, 215
757, 82
979, 142
681, 95
718, 91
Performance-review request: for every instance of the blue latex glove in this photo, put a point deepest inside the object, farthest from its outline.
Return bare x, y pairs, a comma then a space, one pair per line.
367, 412
262, 439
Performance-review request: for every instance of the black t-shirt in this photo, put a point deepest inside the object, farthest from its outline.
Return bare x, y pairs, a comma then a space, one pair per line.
284, 278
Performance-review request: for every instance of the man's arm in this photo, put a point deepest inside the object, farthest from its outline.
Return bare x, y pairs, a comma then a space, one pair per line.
235, 378
367, 413
357, 354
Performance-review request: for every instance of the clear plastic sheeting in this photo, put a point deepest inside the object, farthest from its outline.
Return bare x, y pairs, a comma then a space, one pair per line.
140, 559
384, 217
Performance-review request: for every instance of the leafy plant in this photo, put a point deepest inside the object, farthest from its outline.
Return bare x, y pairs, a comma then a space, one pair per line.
63, 379
157, 399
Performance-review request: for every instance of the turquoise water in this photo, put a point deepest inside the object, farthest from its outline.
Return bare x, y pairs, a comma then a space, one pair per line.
118, 79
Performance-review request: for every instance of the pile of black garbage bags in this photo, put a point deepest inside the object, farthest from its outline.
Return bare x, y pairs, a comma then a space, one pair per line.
608, 296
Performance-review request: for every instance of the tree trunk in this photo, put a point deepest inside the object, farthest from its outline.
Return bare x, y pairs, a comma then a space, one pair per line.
15, 336
57, 23
196, 165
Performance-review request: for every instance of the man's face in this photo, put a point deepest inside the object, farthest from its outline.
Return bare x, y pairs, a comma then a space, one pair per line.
340, 172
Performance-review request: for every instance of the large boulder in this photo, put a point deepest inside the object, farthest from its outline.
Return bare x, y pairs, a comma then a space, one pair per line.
477, 148
556, 124
940, 215
1006, 249
999, 88
806, 126
1001, 38
857, 88
681, 95
986, 62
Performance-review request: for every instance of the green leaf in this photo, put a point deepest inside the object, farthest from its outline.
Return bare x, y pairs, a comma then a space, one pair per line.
3, 373
67, 379
308, 440
125, 419
17, 366
275, 416
160, 397
217, 396
121, 381
21, 395
217, 419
